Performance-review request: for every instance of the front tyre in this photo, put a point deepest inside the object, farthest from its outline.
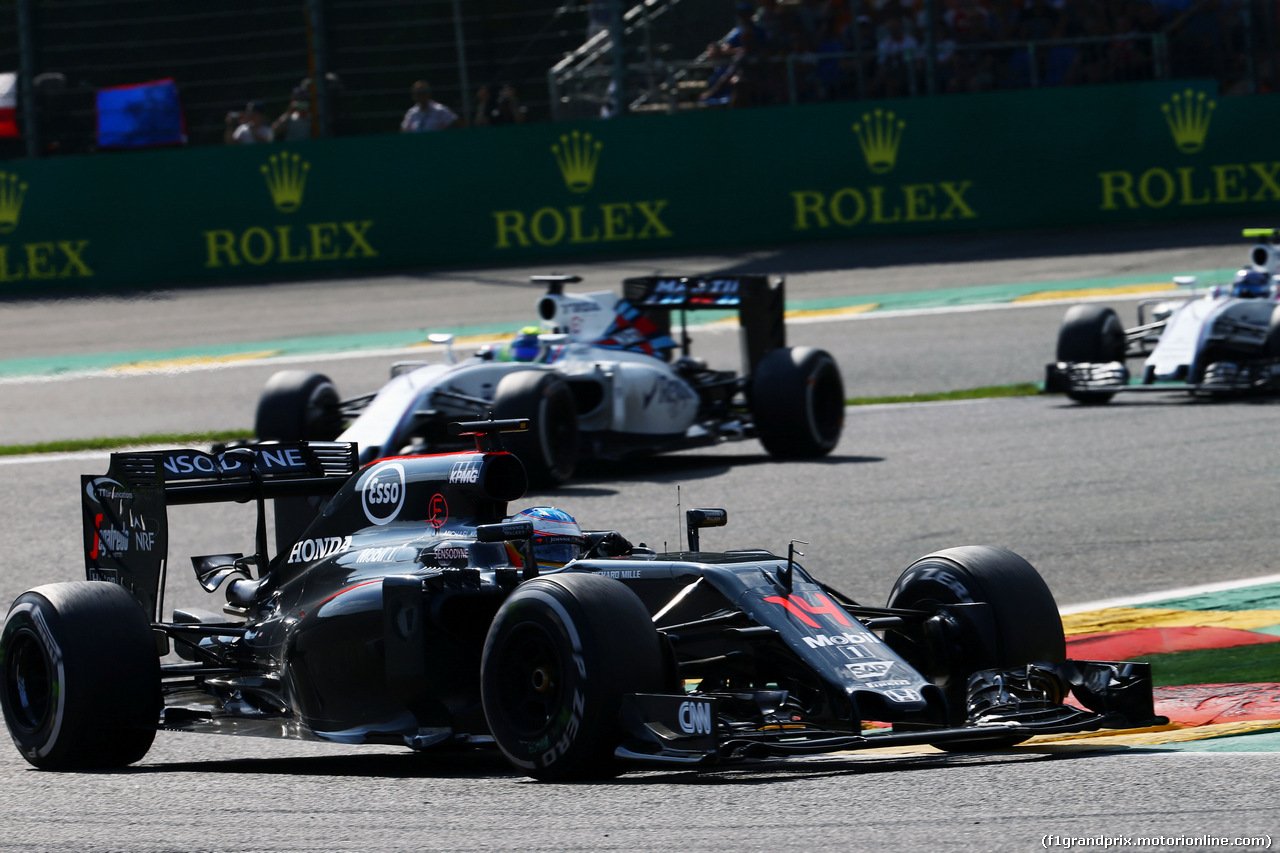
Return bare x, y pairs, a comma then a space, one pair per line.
1091, 334
81, 676
549, 448
797, 402
1024, 625
298, 406
560, 655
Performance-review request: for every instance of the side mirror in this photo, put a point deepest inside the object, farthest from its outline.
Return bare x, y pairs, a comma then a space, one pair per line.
696, 519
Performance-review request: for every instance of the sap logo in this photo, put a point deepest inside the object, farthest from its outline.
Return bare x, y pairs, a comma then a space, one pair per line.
317, 549
695, 718
869, 668
104, 488
382, 493
840, 640
465, 471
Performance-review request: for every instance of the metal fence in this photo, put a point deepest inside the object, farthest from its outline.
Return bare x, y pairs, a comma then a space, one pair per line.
558, 56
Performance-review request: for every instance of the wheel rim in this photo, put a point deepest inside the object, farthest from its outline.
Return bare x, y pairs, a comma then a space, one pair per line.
529, 679
28, 682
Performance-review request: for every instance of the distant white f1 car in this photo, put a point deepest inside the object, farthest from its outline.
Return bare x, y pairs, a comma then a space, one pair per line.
597, 381
1226, 342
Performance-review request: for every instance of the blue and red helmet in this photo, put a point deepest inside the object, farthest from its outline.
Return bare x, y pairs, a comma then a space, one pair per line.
557, 539
1251, 284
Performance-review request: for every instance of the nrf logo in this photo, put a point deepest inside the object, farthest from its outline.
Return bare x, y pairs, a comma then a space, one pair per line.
465, 471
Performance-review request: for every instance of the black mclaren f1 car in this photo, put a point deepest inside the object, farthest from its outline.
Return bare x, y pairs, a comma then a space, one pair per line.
403, 607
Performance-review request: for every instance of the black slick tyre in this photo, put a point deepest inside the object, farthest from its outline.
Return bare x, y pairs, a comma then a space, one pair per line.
797, 402
549, 449
296, 405
560, 654
1024, 625
1091, 334
80, 685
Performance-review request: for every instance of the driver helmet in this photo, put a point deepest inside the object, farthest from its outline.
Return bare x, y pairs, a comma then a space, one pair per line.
1251, 284
525, 346
557, 539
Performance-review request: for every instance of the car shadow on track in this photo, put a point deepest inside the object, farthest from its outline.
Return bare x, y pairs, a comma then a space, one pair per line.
483, 764
596, 478
478, 764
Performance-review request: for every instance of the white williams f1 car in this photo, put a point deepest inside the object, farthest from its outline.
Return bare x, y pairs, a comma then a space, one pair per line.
601, 379
1226, 342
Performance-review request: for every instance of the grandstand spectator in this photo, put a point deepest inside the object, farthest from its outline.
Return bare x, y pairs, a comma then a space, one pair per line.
295, 122
897, 54
507, 109
1039, 21
860, 40
739, 82
247, 127
426, 114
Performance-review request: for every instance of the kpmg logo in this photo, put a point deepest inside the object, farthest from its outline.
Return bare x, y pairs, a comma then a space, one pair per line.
1188, 115
880, 134
577, 155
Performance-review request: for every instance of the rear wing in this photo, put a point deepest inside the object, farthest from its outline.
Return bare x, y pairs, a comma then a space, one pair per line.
125, 516
758, 299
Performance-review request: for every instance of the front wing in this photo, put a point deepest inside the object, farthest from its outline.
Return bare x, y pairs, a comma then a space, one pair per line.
1005, 706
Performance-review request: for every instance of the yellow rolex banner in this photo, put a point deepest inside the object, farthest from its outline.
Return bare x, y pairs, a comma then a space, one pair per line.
716, 178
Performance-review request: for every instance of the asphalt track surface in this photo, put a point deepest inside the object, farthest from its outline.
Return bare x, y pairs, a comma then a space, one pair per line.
1141, 496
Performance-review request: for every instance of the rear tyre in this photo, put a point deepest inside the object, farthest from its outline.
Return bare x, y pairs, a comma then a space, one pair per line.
1024, 625
1091, 334
81, 676
560, 655
549, 449
797, 403
298, 406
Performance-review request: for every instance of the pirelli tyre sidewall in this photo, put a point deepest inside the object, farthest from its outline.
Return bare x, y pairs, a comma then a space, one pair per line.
79, 676
560, 654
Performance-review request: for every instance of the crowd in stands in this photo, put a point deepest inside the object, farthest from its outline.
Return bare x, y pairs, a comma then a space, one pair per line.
249, 126
839, 49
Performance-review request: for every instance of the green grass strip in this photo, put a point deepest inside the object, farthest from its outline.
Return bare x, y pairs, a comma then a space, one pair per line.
173, 439
199, 438
1236, 665
1022, 389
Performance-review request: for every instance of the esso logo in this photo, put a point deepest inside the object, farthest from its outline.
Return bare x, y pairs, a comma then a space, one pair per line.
382, 494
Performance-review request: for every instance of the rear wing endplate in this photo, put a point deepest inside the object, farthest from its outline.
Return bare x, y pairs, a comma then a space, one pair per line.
758, 299
126, 538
